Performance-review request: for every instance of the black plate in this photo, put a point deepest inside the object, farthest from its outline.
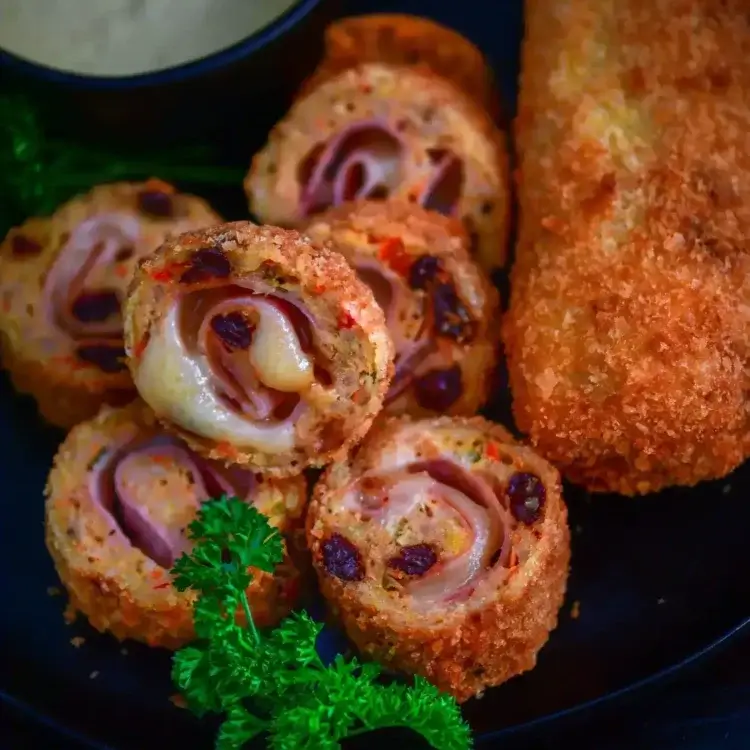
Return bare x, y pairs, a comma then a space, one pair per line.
660, 580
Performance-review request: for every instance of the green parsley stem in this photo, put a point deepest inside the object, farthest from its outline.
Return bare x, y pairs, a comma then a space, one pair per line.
249, 617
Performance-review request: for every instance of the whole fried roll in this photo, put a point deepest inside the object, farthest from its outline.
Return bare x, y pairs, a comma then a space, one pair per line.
377, 131
257, 347
62, 283
443, 547
627, 336
401, 39
119, 499
439, 306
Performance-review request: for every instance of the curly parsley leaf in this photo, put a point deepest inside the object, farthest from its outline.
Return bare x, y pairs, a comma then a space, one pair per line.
275, 683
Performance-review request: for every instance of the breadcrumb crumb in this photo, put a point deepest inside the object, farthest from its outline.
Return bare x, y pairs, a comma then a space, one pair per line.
77, 642
575, 610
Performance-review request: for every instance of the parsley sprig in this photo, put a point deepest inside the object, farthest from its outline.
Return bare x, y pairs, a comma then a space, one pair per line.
273, 682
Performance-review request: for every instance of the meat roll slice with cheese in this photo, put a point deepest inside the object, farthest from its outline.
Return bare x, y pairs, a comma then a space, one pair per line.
62, 283
410, 40
257, 347
377, 131
119, 499
443, 547
439, 305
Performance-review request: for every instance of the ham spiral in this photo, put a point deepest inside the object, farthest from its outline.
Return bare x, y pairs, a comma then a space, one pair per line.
443, 547
119, 498
440, 307
257, 347
62, 284
380, 131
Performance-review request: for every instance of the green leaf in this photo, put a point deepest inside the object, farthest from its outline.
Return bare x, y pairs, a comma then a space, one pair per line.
275, 681
238, 729
191, 673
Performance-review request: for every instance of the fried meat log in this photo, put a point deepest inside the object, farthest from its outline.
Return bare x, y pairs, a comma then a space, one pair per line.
62, 283
119, 498
627, 336
257, 347
443, 547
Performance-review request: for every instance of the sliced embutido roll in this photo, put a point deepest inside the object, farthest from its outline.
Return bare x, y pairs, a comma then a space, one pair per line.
410, 40
62, 283
440, 307
119, 499
443, 547
257, 347
377, 131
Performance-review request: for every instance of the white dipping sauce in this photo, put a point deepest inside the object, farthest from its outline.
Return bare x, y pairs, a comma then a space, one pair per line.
127, 37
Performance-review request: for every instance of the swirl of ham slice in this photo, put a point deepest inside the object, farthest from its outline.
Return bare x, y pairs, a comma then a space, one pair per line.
83, 270
458, 499
415, 354
243, 382
122, 482
366, 160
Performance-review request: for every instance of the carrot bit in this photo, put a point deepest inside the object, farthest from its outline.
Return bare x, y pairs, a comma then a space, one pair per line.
319, 288
492, 452
168, 272
155, 574
140, 347
121, 270
393, 253
161, 585
226, 449
345, 320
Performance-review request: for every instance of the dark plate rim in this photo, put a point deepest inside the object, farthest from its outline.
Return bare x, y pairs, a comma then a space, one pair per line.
57, 725
177, 73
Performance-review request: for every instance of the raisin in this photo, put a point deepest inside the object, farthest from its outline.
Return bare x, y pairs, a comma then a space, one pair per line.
423, 271
94, 307
156, 203
527, 495
451, 317
342, 559
110, 359
438, 390
414, 560
124, 253
233, 329
206, 263
22, 246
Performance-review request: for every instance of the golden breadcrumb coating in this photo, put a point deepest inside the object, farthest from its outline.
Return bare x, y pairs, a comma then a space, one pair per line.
441, 308
335, 325
116, 585
401, 39
443, 548
627, 331
418, 137
62, 281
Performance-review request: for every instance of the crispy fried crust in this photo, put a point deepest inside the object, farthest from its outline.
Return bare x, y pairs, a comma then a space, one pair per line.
116, 586
401, 39
350, 332
627, 336
465, 646
430, 115
41, 358
367, 229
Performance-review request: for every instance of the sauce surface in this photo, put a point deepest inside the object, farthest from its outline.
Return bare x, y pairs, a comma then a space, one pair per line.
128, 37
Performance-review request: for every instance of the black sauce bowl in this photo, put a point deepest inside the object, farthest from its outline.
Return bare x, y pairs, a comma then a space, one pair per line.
232, 96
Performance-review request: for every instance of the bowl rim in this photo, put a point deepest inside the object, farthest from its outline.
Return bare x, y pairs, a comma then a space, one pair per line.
176, 73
